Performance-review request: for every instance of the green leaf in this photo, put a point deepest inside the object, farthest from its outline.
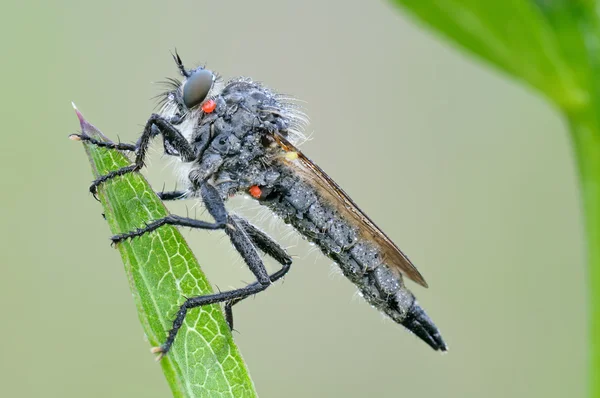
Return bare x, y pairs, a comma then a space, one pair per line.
162, 271
516, 36
554, 46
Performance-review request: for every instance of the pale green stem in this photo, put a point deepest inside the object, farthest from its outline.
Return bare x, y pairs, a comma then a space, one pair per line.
586, 139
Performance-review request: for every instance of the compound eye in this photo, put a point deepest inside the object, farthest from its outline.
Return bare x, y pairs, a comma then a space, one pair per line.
196, 87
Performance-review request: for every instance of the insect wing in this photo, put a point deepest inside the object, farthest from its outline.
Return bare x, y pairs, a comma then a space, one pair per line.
331, 191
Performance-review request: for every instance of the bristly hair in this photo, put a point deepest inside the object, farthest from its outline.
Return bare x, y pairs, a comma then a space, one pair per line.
170, 85
289, 108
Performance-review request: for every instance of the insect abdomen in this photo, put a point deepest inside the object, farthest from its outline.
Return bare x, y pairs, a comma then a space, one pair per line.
300, 205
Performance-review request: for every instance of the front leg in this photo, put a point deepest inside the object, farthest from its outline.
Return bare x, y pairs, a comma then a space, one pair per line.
156, 125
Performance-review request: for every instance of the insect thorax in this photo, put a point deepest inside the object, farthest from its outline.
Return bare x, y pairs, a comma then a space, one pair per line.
235, 143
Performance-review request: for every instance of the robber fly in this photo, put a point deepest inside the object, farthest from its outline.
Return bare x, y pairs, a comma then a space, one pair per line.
240, 137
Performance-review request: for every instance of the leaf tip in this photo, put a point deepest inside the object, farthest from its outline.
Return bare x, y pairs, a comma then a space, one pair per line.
87, 127
78, 113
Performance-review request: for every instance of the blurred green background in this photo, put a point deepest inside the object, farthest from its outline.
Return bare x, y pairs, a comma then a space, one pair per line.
470, 173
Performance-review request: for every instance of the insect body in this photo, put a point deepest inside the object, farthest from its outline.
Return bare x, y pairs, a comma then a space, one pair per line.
240, 137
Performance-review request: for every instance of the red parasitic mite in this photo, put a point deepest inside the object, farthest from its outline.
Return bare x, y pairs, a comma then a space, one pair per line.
255, 191
209, 106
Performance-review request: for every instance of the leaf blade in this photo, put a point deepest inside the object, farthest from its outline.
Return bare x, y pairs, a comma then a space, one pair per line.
563, 47
162, 270
513, 35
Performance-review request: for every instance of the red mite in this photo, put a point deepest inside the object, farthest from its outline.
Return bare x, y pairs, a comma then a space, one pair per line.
255, 191
209, 106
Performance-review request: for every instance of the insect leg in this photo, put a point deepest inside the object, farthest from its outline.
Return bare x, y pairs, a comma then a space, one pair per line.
209, 193
275, 276
172, 195
104, 144
267, 245
236, 228
246, 239
264, 242
175, 143
213, 203
244, 246
171, 219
